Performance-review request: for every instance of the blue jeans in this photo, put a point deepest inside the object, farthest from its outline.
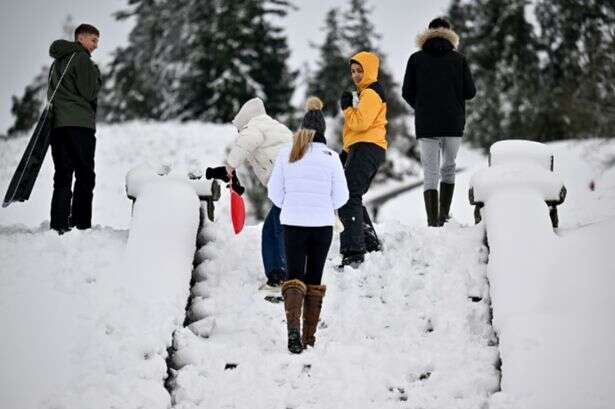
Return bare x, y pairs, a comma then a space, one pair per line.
272, 246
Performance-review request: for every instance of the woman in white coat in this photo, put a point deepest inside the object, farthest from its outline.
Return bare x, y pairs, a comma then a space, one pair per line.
260, 139
308, 184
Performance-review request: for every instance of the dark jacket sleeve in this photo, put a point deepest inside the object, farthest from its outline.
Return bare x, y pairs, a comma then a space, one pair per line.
87, 77
469, 89
408, 90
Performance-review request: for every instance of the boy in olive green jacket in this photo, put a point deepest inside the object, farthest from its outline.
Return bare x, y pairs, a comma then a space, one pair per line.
73, 139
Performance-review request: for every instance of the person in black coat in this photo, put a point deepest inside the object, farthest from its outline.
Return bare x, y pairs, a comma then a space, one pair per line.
437, 83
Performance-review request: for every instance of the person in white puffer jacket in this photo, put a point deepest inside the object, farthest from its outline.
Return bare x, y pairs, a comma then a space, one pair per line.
260, 139
308, 184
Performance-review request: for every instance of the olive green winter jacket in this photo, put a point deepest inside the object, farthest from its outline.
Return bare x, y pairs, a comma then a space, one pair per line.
75, 102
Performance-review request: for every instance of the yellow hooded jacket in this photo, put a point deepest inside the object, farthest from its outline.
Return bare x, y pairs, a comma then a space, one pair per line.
367, 122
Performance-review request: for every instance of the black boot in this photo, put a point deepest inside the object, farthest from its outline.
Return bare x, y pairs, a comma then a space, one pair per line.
353, 260
446, 197
372, 243
431, 206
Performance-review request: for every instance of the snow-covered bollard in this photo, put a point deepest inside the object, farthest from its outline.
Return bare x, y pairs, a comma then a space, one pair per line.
520, 151
207, 190
520, 166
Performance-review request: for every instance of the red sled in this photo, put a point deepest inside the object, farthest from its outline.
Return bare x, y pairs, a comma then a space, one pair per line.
238, 211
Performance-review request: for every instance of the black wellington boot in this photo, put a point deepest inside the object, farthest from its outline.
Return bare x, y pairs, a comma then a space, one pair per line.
431, 206
446, 197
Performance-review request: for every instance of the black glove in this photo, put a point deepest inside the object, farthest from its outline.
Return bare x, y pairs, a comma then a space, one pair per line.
343, 157
236, 185
217, 173
346, 100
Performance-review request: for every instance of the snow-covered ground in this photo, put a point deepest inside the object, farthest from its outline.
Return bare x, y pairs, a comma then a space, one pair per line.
401, 329
551, 292
87, 317
82, 327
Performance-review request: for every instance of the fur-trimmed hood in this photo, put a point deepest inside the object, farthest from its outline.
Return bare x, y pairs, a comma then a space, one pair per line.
440, 32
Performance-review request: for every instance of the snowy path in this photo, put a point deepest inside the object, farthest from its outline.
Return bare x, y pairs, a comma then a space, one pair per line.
400, 330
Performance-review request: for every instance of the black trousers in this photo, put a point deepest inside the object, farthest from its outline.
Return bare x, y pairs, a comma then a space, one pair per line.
72, 150
360, 167
306, 252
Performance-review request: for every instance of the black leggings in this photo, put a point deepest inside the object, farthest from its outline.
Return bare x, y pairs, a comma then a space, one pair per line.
306, 252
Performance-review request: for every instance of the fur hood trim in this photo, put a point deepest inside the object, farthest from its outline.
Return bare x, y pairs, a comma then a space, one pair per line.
439, 32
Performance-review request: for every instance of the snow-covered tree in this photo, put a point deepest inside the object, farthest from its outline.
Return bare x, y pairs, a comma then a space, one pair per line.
134, 86
331, 74
200, 59
502, 51
27, 108
578, 39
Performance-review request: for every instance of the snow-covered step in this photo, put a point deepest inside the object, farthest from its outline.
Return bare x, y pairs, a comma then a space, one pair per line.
400, 330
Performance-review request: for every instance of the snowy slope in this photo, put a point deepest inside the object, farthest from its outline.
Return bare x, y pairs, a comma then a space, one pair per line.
80, 331
400, 329
87, 317
119, 148
551, 293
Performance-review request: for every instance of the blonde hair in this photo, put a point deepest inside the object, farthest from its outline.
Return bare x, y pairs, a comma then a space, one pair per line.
301, 141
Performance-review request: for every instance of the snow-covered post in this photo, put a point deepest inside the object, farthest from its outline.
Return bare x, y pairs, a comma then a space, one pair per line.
512, 196
518, 165
207, 190
162, 238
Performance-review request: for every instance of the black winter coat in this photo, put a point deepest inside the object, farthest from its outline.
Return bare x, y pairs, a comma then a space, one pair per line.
436, 85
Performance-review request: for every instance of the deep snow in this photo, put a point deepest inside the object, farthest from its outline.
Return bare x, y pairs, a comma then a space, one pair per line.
79, 331
402, 328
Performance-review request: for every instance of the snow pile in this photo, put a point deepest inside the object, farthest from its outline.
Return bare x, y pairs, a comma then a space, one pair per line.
401, 329
73, 329
86, 320
552, 297
139, 177
516, 176
521, 152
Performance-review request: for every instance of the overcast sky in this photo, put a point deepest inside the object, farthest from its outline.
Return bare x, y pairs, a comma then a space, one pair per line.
27, 27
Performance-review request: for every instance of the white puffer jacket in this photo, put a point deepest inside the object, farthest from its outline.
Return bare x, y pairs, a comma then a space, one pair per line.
309, 190
260, 139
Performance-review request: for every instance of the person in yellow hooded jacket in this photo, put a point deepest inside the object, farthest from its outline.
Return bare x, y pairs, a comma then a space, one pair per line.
364, 151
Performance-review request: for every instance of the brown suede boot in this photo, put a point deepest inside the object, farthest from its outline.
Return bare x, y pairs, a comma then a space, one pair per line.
293, 292
311, 312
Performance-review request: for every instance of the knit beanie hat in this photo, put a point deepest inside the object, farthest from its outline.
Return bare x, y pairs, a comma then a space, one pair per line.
314, 119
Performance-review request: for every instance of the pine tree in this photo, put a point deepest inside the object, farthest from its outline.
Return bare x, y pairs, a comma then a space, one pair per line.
331, 74
27, 109
240, 54
270, 49
134, 86
578, 41
502, 50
